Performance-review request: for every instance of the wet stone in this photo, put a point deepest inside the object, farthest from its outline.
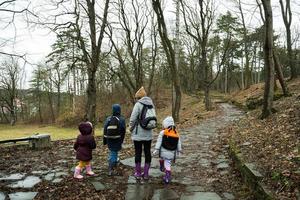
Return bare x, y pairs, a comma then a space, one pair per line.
184, 181
165, 194
155, 173
224, 172
57, 180
194, 188
2, 196
228, 196
246, 144
131, 180
28, 182
176, 169
49, 176
39, 172
204, 162
98, 185
201, 196
131, 162
22, 195
12, 177
222, 165
63, 162
137, 192
59, 174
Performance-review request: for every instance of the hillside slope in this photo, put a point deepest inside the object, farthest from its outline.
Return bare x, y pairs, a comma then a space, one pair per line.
272, 144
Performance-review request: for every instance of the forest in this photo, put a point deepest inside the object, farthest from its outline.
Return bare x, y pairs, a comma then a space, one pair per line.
235, 62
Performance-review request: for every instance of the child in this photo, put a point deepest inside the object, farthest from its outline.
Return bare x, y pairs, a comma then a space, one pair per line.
168, 145
84, 145
114, 133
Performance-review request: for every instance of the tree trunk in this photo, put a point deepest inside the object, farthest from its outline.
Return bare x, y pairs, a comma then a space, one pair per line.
246, 49
40, 107
287, 19
269, 61
91, 97
169, 50
279, 74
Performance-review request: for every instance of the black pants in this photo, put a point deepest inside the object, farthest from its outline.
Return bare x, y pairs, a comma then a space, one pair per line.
138, 146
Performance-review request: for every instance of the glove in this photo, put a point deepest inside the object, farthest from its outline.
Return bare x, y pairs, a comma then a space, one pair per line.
155, 152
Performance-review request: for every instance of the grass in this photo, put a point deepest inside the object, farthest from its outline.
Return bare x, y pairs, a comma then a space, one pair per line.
57, 133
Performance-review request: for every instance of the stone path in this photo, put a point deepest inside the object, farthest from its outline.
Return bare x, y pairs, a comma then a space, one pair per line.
195, 170
197, 174
21, 181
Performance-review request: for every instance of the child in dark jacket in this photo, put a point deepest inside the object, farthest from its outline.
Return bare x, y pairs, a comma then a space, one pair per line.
114, 133
84, 145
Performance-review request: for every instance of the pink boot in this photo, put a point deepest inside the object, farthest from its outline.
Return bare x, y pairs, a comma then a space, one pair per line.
89, 171
77, 174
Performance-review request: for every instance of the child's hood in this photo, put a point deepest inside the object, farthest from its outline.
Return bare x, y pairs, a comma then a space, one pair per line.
85, 128
168, 121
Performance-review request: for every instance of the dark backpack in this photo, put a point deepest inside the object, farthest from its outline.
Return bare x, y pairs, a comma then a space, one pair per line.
147, 118
170, 139
113, 128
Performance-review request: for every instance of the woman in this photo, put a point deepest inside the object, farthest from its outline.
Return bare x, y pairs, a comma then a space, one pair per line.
141, 137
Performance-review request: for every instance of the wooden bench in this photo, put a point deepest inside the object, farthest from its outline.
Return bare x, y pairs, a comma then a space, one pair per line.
37, 141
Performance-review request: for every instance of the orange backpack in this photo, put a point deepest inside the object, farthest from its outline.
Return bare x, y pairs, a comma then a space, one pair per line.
170, 139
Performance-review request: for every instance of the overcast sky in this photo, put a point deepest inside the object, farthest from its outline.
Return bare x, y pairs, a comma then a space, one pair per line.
36, 42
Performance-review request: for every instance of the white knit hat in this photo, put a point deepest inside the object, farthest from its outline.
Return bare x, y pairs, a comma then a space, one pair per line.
168, 121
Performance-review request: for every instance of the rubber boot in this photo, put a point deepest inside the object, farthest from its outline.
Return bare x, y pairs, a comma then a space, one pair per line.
110, 169
89, 171
77, 174
146, 171
137, 173
161, 165
167, 177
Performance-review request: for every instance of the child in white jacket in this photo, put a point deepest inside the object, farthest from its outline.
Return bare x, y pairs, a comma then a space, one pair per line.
168, 145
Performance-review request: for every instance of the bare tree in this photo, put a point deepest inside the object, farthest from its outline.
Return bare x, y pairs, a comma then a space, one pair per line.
128, 42
287, 19
10, 10
198, 22
91, 52
170, 53
277, 64
10, 76
246, 43
269, 60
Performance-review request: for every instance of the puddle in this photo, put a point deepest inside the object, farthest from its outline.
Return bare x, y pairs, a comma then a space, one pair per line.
138, 192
